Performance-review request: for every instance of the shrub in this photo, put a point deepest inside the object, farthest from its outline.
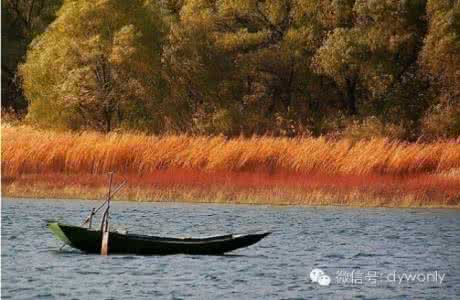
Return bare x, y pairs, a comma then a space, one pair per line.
441, 121
372, 128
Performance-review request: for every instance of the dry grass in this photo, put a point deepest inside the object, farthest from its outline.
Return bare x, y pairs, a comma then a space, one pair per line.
251, 188
214, 169
25, 150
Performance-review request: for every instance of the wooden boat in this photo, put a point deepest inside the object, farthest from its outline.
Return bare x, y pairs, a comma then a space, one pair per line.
90, 241
106, 242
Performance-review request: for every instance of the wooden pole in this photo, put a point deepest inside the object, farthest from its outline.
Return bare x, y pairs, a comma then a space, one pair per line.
105, 222
105, 238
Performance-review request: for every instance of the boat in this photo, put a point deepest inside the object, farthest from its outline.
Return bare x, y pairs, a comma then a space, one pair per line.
105, 241
90, 241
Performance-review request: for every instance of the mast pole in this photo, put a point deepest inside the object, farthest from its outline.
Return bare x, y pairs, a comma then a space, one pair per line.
105, 221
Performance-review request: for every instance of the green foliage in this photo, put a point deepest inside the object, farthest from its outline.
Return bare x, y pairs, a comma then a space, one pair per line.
22, 20
353, 68
98, 65
441, 121
342, 55
372, 127
369, 56
440, 55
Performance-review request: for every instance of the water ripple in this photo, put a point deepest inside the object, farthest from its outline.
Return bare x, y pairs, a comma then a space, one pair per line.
333, 239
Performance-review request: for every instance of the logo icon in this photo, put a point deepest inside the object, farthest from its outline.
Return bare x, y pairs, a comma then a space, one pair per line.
318, 275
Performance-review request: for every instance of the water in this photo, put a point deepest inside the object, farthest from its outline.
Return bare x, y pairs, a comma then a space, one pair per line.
389, 242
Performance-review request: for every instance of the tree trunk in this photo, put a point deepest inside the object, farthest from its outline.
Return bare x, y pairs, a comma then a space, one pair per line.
350, 97
108, 121
108, 128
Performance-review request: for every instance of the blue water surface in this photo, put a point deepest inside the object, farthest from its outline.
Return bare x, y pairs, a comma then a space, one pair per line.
367, 253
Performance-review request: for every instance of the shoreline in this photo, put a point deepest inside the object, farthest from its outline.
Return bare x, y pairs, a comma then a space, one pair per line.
122, 200
66, 197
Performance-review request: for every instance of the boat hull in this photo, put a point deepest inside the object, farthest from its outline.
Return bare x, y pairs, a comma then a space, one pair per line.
90, 241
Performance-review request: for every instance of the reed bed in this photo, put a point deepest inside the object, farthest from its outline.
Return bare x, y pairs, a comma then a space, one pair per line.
26, 150
248, 188
268, 170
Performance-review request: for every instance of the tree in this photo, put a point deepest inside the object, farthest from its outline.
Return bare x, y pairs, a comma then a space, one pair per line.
97, 66
280, 67
440, 56
440, 63
242, 63
195, 69
341, 58
373, 51
22, 20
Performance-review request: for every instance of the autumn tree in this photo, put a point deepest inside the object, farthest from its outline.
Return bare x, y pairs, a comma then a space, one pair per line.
270, 42
440, 60
97, 66
195, 69
375, 48
242, 64
440, 56
22, 20
353, 68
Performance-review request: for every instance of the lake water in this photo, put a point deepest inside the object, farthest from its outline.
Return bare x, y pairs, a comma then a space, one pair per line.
367, 253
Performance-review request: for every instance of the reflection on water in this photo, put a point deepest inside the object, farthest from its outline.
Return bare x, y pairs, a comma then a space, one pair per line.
339, 241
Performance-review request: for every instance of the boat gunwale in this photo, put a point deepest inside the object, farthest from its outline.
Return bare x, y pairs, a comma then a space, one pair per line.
171, 240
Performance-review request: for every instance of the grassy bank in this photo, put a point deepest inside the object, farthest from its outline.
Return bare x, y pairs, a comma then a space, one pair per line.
266, 170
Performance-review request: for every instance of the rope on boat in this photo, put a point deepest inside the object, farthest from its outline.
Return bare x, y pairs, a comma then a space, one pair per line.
109, 196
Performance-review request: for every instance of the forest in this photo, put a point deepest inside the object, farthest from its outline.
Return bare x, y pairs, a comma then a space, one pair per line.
334, 68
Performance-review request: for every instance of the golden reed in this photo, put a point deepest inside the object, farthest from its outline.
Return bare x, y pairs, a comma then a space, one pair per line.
376, 172
26, 150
